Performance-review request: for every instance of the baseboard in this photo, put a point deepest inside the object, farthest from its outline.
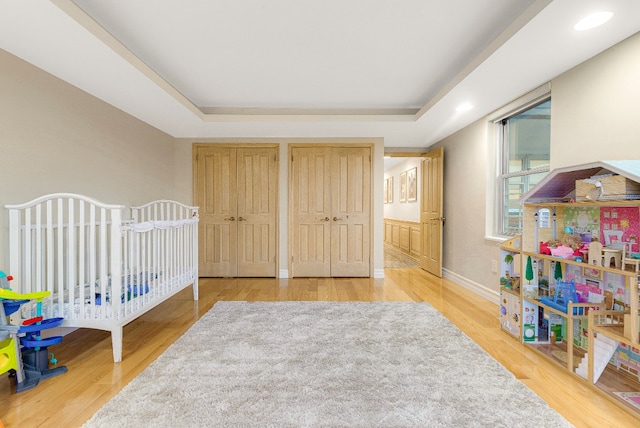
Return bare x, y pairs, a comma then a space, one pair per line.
284, 273
479, 289
378, 273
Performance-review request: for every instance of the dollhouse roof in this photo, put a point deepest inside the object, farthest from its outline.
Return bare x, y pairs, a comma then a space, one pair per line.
559, 185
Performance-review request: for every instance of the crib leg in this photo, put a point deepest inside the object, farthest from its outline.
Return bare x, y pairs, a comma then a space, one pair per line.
116, 343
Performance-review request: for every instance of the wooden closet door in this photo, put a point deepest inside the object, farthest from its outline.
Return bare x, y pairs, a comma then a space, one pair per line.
216, 197
330, 211
257, 193
351, 206
310, 212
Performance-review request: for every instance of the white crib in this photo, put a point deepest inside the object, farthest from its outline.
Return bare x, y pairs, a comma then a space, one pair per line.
102, 272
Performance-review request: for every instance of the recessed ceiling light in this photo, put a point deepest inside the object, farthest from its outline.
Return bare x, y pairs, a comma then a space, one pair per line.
464, 107
592, 21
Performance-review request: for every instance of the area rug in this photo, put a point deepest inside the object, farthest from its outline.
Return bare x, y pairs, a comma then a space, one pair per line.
311, 364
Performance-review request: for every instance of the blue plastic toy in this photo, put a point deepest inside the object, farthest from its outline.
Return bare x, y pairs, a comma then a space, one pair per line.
33, 363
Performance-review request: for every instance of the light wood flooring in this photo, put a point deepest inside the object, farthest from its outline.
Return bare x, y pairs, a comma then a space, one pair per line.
70, 399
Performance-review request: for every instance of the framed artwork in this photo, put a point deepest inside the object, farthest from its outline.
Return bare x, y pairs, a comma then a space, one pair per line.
403, 186
589, 272
412, 185
389, 190
385, 191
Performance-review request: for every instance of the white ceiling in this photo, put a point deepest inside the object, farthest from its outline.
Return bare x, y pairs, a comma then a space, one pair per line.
309, 68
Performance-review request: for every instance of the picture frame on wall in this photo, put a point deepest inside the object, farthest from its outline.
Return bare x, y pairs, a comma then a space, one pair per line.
589, 272
412, 185
403, 186
385, 191
390, 190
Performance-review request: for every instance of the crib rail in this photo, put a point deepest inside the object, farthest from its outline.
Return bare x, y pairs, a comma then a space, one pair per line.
160, 249
62, 240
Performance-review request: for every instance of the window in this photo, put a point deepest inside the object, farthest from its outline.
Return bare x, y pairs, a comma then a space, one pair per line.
525, 146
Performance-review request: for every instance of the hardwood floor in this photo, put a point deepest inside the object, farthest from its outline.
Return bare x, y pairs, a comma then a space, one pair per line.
70, 399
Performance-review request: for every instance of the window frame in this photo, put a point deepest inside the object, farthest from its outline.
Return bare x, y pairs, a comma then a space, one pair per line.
496, 193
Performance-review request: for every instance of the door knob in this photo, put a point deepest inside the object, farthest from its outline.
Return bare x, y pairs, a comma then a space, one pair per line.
241, 219
327, 219
232, 218
337, 218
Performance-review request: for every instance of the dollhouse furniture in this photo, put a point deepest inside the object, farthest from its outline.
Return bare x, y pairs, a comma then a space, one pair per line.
584, 332
595, 256
628, 260
613, 238
604, 256
610, 255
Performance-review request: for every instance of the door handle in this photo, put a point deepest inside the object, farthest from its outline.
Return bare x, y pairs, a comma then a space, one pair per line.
337, 218
325, 219
232, 218
241, 219
442, 219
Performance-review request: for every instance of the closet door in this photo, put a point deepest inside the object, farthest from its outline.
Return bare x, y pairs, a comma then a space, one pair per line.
256, 193
350, 206
216, 197
330, 211
237, 192
310, 188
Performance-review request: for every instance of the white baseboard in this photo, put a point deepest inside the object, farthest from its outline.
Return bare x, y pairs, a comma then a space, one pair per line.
284, 273
378, 273
482, 291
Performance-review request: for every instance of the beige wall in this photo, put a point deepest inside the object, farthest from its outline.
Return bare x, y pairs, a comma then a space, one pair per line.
594, 116
56, 138
595, 108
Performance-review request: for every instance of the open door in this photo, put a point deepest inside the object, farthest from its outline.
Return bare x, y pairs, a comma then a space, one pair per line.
431, 212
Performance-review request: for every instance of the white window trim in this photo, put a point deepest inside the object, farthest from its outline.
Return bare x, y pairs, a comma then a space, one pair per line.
495, 152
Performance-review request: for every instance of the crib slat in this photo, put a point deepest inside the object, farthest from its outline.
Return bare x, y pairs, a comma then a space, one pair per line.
38, 254
60, 251
28, 280
49, 283
71, 255
81, 254
15, 250
92, 259
116, 260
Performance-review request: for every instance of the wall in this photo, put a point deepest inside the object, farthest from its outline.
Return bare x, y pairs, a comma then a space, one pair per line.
594, 108
466, 253
403, 210
57, 138
594, 116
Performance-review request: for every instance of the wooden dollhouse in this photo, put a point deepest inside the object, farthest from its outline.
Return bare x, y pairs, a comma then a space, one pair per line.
578, 296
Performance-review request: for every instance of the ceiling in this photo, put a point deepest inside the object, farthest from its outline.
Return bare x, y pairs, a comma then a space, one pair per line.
309, 68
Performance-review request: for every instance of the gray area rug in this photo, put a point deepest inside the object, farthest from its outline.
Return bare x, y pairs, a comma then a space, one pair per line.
308, 364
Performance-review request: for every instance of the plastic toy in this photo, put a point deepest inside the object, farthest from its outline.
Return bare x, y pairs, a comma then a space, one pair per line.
30, 363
